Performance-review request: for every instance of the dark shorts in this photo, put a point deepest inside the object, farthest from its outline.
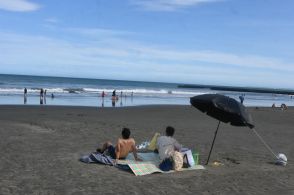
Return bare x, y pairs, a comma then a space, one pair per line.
111, 151
166, 164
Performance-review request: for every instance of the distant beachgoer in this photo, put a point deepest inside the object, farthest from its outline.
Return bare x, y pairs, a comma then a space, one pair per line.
241, 97
114, 97
41, 95
113, 93
132, 95
284, 107
113, 102
45, 92
274, 105
166, 146
103, 94
121, 94
123, 147
25, 95
52, 95
42, 92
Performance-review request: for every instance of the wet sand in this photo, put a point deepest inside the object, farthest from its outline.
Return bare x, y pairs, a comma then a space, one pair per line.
41, 145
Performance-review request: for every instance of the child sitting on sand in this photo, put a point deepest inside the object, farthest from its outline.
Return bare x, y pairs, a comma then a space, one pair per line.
123, 146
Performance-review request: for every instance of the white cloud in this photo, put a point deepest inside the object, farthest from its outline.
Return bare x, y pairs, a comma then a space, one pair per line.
18, 5
168, 5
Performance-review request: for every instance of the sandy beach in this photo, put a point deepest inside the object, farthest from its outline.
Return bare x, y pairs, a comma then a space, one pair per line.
41, 145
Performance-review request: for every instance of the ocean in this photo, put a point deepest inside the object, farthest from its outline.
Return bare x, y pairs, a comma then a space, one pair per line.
87, 92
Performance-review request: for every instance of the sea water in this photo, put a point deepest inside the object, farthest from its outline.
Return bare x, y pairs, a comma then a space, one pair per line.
87, 92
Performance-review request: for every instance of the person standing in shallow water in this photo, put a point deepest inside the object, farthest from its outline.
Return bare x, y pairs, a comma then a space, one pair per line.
41, 95
114, 94
25, 92
102, 95
25, 95
45, 92
241, 97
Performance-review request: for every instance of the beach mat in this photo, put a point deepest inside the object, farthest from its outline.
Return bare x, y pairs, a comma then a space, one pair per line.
149, 164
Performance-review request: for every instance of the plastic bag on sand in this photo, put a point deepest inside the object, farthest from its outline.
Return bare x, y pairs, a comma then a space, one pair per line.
282, 160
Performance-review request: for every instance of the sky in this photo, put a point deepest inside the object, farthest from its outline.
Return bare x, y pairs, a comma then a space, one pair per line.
213, 42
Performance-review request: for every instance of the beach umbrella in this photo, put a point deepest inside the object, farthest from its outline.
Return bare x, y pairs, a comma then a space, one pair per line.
224, 109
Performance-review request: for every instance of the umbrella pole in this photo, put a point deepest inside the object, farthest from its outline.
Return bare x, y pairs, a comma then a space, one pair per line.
212, 143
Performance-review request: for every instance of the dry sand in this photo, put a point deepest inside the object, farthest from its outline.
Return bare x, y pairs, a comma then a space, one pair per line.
40, 148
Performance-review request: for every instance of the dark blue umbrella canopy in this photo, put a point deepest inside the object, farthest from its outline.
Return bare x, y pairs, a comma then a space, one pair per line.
223, 108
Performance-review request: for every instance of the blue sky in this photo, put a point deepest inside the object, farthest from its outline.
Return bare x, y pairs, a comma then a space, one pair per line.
222, 42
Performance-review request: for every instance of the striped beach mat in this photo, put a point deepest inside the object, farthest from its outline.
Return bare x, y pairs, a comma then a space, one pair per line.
149, 164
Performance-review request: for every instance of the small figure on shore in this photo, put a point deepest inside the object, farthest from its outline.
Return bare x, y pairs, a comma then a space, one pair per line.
42, 92
103, 95
113, 93
41, 95
25, 95
25, 92
113, 101
123, 147
121, 94
52, 95
114, 97
284, 106
241, 97
45, 92
274, 105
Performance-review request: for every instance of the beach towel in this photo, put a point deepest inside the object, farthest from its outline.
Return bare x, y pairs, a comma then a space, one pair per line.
149, 164
97, 158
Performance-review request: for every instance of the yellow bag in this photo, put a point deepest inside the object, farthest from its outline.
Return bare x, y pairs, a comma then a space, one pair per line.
152, 145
